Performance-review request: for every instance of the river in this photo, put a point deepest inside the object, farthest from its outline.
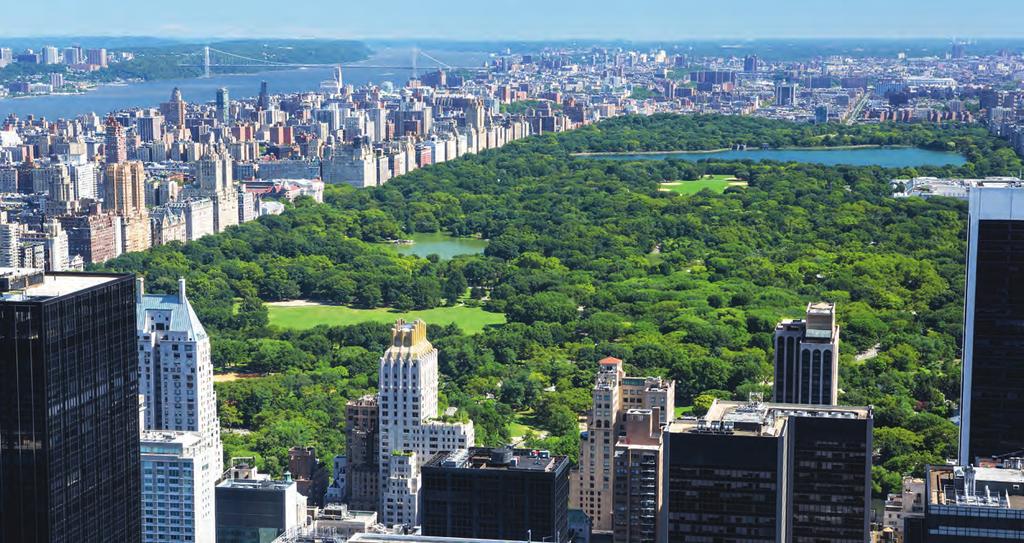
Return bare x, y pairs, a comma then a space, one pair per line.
887, 157
107, 98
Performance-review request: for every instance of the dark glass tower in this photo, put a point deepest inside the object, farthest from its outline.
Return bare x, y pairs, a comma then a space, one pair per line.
69, 412
992, 395
496, 494
758, 472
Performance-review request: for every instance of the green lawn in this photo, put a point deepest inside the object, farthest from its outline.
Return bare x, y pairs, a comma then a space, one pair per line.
522, 423
685, 410
715, 183
470, 319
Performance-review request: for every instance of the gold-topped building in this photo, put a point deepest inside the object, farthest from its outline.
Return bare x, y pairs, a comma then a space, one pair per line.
410, 432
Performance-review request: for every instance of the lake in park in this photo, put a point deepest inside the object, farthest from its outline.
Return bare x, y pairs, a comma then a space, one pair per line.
442, 245
888, 157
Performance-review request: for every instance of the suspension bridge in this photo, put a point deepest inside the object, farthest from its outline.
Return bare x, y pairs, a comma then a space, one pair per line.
215, 58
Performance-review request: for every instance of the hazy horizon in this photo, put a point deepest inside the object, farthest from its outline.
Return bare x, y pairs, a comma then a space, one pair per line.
528, 20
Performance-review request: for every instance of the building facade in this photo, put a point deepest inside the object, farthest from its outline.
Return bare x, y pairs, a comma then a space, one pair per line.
410, 432
176, 383
992, 405
257, 510
967, 504
496, 494
639, 457
69, 467
177, 488
769, 472
362, 438
613, 394
807, 357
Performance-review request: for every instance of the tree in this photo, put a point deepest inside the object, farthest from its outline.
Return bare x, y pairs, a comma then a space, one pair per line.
455, 286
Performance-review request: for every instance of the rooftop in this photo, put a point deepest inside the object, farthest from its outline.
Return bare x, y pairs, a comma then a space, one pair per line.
501, 458
969, 486
756, 418
32, 284
182, 317
395, 538
257, 484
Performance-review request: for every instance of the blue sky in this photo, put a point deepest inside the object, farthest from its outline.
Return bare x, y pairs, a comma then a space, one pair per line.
517, 19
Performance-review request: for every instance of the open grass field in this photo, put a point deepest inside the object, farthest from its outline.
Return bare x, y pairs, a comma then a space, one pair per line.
683, 410
522, 424
715, 183
308, 315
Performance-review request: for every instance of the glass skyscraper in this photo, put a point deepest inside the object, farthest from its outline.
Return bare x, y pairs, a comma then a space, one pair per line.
992, 396
69, 410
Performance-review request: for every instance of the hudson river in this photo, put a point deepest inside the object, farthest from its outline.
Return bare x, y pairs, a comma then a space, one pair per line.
107, 98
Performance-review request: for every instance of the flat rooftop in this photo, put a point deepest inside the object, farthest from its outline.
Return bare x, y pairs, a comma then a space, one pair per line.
999, 488
395, 538
256, 484
32, 284
479, 458
758, 418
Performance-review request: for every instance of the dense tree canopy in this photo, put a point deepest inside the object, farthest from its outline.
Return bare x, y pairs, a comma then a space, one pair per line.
588, 259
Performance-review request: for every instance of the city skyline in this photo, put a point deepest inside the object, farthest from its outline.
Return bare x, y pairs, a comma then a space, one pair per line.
466, 21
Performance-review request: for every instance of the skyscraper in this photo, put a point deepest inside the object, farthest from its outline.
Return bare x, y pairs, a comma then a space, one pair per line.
613, 394
757, 472
150, 126
126, 196
215, 177
223, 106
263, 103
785, 94
503, 493
114, 142
69, 415
174, 109
362, 437
992, 401
183, 431
175, 370
410, 433
750, 64
178, 488
807, 357
125, 192
638, 490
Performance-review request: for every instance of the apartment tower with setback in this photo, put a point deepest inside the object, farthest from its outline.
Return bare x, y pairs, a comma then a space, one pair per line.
69, 408
807, 357
614, 394
176, 382
410, 432
992, 395
637, 513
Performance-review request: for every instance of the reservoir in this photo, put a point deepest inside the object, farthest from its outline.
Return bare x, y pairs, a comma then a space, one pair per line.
888, 157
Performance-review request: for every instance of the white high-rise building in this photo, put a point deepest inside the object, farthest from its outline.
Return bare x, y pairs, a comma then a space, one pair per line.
57, 254
83, 179
178, 498
51, 55
9, 245
409, 430
176, 380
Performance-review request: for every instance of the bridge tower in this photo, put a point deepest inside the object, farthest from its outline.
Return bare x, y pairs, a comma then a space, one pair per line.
206, 61
415, 55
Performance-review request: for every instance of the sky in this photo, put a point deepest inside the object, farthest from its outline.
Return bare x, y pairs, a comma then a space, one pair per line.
638, 20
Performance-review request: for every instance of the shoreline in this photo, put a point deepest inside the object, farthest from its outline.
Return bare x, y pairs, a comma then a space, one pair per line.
724, 150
